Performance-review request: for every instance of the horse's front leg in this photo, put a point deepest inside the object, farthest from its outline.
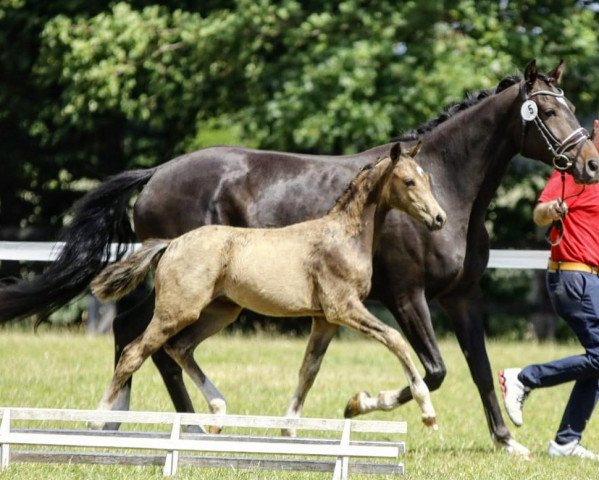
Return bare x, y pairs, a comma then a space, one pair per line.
321, 334
413, 315
356, 316
465, 311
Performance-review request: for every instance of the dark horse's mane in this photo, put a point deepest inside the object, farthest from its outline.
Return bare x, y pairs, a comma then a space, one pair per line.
449, 111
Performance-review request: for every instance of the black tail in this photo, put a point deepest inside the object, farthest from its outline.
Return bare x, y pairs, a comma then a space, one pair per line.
100, 218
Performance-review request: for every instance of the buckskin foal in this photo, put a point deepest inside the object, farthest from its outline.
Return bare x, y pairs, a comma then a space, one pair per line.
321, 268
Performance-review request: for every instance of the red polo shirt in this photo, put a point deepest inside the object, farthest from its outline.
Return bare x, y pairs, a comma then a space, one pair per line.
580, 242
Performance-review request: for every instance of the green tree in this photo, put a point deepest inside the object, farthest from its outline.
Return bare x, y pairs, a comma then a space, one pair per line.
92, 88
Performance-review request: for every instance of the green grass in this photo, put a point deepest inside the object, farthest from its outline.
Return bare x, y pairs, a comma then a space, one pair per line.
257, 376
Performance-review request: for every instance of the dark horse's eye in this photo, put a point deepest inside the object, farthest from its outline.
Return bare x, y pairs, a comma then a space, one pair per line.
409, 183
549, 112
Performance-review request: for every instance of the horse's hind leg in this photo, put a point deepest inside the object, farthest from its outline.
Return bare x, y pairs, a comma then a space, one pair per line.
172, 376
321, 334
356, 316
213, 319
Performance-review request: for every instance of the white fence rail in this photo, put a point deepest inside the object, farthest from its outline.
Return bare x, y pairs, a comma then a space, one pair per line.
258, 451
48, 251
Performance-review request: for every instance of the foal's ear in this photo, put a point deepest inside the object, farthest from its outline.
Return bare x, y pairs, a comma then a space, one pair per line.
530, 73
395, 152
415, 149
555, 75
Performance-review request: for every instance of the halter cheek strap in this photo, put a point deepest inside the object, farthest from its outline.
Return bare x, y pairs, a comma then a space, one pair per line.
556, 146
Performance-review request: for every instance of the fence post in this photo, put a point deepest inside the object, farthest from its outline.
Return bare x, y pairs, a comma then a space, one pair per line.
4, 447
172, 457
342, 463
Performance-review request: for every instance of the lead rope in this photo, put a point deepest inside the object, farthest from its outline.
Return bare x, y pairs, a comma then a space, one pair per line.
559, 223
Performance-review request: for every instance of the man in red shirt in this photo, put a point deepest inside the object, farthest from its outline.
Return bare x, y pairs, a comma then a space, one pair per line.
573, 285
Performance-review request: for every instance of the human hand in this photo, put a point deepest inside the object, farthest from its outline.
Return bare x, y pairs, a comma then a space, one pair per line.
557, 209
596, 133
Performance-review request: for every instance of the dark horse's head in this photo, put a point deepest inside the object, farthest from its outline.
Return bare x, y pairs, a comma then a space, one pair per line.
549, 129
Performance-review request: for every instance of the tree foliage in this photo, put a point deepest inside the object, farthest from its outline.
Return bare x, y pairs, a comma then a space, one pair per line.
92, 88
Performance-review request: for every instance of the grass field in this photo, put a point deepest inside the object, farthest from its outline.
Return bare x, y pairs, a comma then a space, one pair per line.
257, 376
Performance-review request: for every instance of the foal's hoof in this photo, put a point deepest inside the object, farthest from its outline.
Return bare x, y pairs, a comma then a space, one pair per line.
96, 425
215, 430
289, 432
430, 422
354, 406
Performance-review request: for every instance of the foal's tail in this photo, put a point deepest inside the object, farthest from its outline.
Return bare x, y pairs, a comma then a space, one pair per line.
120, 278
100, 218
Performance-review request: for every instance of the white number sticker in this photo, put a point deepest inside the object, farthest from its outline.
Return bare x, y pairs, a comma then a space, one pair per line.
529, 110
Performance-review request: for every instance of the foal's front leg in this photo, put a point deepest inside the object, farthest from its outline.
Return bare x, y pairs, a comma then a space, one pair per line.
320, 337
356, 316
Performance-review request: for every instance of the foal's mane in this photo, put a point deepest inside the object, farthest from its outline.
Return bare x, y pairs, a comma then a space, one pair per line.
449, 111
357, 192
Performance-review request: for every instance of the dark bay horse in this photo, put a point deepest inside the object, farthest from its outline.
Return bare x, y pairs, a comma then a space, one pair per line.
320, 267
466, 149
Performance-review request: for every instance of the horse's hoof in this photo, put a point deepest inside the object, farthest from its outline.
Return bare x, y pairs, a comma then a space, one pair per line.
195, 429
289, 432
111, 426
215, 430
512, 447
354, 406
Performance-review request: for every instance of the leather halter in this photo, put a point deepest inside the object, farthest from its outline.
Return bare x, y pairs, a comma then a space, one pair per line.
556, 146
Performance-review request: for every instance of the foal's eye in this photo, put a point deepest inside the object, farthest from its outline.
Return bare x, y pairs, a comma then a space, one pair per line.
409, 183
550, 112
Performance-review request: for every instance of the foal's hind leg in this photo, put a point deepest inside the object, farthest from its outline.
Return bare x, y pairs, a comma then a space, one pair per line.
213, 319
166, 322
134, 314
320, 337
356, 316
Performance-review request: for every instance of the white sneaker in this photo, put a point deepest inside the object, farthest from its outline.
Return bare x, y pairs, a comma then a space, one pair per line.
514, 393
571, 449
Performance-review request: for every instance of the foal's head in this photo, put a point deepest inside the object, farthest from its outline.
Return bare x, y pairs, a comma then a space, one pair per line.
408, 188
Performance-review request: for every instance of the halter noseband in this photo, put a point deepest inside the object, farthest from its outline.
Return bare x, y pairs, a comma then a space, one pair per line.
554, 145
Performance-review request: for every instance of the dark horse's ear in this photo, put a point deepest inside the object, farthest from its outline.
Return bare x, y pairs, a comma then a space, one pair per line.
415, 149
395, 152
530, 73
555, 75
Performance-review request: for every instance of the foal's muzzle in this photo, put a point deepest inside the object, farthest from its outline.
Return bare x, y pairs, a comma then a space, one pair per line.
437, 221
